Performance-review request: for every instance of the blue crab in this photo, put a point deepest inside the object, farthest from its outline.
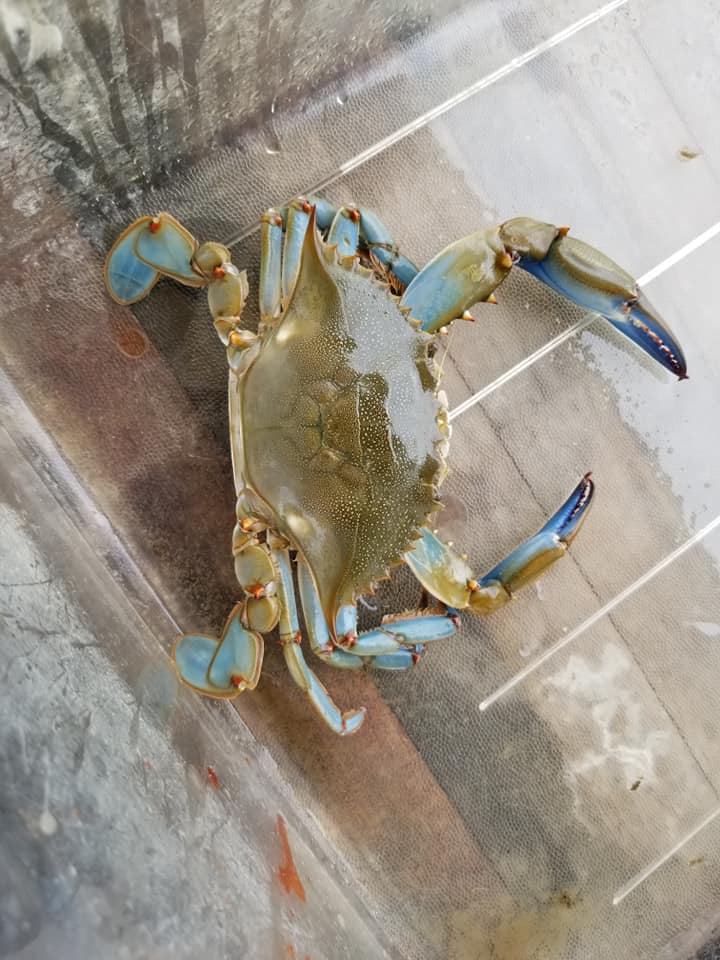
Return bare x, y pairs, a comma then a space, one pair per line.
339, 429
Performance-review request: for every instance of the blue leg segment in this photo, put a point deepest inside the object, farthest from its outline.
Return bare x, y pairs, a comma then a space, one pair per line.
298, 218
369, 238
375, 238
166, 246
395, 645
271, 240
345, 232
465, 272
320, 699
127, 278
316, 624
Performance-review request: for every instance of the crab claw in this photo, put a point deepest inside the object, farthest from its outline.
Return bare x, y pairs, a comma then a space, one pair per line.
641, 324
594, 281
534, 556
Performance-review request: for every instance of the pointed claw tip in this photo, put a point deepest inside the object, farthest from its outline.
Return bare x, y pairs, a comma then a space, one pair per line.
683, 376
563, 231
588, 475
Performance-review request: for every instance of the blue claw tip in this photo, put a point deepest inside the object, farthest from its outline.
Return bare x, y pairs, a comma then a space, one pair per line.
640, 325
566, 522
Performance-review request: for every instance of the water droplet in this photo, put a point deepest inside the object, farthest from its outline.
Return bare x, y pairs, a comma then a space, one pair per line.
47, 823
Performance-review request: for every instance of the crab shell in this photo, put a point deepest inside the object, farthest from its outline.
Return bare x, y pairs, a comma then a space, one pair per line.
338, 432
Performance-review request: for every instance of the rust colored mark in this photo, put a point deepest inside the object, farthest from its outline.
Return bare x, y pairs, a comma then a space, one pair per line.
213, 778
132, 343
290, 949
287, 874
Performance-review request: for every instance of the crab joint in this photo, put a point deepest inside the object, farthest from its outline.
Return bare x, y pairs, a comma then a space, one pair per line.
305, 207
504, 260
349, 640
247, 524
154, 225
354, 214
237, 680
218, 273
472, 585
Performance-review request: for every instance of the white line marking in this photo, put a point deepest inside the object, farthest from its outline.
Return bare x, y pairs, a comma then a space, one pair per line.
648, 871
476, 87
680, 254
482, 84
598, 615
580, 325
523, 365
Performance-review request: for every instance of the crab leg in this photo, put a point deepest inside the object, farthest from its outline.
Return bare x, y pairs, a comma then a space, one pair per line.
320, 699
395, 645
271, 237
345, 231
446, 574
470, 269
127, 278
382, 249
224, 667
373, 241
297, 220
317, 628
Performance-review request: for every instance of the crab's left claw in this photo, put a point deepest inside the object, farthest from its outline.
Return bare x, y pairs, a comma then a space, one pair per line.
151, 247
592, 280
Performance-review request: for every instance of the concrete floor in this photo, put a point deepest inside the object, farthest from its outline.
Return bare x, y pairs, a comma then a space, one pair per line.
547, 784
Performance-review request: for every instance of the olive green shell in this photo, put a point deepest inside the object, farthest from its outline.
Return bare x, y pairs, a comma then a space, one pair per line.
339, 425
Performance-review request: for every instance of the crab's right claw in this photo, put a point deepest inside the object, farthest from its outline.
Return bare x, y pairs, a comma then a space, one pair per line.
589, 278
641, 324
221, 668
533, 557
149, 248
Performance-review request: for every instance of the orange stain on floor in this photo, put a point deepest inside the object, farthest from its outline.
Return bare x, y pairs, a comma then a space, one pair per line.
287, 874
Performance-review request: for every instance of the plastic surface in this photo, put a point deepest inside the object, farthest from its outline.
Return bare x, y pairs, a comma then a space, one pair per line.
546, 783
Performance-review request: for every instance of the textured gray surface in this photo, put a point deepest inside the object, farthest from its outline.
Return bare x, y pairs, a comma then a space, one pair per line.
575, 816
115, 839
